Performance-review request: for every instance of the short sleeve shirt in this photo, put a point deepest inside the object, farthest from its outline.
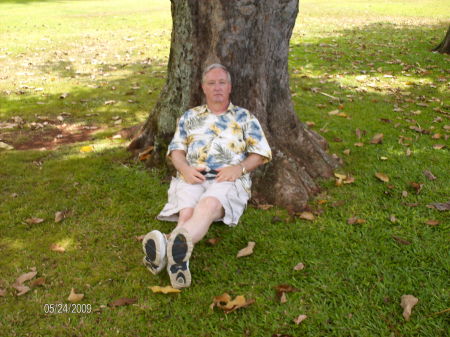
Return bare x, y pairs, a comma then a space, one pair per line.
214, 141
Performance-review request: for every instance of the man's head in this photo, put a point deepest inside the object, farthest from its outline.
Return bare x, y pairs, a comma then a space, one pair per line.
216, 84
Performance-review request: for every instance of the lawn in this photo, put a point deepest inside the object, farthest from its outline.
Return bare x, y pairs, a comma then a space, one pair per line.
73, 74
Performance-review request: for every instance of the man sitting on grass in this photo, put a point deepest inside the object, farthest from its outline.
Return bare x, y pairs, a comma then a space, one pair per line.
214, 148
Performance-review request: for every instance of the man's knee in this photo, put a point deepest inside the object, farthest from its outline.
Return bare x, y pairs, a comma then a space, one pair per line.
211, 204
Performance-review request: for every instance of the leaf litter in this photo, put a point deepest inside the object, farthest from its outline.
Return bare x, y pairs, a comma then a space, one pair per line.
228, 305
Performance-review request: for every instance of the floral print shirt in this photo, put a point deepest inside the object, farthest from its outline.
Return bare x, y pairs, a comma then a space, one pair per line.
214, 141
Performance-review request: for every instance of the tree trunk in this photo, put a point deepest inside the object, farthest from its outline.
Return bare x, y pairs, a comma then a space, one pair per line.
444, 46
251, 38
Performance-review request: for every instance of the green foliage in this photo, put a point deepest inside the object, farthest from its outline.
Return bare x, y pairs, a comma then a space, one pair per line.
97, 51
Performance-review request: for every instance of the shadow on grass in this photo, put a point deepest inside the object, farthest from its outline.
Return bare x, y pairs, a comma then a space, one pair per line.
374, 50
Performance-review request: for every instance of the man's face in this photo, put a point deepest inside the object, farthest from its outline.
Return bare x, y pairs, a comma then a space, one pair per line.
216, 87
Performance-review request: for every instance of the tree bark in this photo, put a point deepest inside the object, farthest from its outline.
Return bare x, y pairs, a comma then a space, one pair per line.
444, 46
251, 38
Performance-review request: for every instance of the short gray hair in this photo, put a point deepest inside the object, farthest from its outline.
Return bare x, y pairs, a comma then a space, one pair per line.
215, 66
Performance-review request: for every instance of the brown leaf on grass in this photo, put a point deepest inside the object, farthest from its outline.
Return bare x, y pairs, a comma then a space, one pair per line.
2, 292
300, 319
34, 221
377, 139
26, 277
355, 220
283, 298
381, 176
438, 146
392, 218
401, 240
74, 297
228, 305
299, 266
57, 248
358, 133
417, 186
247, 250
139, 237
122, 301
264, 206
285, 288
213, 241
164, 290
429, 175
306, 216
333, 112
346, 152
359, 144
408, 152
59, 216
440, 206
407, 303
310, 124
436, 136
404, 194
144, 155
18, 284
432, 222
37, 282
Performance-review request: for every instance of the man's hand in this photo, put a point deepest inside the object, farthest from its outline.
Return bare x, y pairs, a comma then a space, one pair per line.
192, 175
229, 173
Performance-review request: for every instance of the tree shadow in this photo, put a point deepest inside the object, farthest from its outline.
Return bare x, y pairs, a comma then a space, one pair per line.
375, 51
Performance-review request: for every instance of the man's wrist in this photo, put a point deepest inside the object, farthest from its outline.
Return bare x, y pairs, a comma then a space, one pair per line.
243, 169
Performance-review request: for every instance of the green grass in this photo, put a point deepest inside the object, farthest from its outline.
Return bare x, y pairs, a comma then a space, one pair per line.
355, 274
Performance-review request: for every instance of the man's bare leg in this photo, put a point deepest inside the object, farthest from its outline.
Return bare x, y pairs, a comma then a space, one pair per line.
207, 210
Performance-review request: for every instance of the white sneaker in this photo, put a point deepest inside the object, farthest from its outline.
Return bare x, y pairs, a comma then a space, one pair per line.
179, 249
154, 245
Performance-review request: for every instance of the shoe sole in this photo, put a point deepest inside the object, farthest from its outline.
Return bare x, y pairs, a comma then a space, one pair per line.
153, 244
179, 249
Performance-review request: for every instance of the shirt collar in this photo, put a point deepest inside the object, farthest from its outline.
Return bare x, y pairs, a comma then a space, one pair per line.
231, 109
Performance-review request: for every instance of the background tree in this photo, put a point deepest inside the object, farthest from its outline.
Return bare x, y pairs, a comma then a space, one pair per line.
444, 46
251, 38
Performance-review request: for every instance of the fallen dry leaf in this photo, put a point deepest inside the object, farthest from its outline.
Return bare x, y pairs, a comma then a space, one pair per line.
57, 248
359, 144
438, 146
87, 148
213, 241
346, 152
283, 298
74, 297
34, 221
265, 206
307, 216
164, 290
37, 282
247, 250
22, 289
441, 206
417, 186
404, 194
407, 303
144, 155
392, 218
381, 176
139, 238
299, 266
122, 301
59, 216
401, 240
377, 139
429, 175
25, 277
432, 222
228, 305
333, 112
355, 220
3, 292
300, 319
285, 288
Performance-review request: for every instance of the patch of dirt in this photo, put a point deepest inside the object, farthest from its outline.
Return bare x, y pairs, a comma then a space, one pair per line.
48, 137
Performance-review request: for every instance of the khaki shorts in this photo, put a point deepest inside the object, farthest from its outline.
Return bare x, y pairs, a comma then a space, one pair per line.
231, 195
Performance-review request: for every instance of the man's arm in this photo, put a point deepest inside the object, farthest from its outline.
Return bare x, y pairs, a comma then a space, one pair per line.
233, 172
191, 174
